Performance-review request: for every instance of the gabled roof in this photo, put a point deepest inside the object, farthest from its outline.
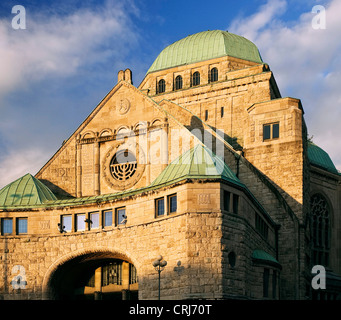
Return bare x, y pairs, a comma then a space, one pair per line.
203, 46
320, 158
26, 190
196, 163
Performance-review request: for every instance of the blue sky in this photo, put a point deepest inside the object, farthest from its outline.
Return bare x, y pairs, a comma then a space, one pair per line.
55, 72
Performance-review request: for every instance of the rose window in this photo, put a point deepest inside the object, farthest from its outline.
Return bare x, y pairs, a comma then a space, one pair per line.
123, 165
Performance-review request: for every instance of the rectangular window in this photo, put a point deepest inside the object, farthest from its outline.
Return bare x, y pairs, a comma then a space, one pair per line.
6, 226
221, 112
67, 223
112, 274
206, 115
270, 131
94, 217
121, 216
227, 195
107, 219
274, 284
235, 203
172, 203
21, 225
159, 207
80, 222
266, 283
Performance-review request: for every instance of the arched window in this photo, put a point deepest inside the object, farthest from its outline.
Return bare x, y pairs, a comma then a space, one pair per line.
320, 228
161, 86
214, 74
178, 83
196, 78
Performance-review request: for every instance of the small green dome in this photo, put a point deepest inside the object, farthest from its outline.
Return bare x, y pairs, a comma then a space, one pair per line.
320, 158
26, 190
203, 46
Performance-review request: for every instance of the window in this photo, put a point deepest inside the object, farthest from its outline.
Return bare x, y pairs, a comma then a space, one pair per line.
270, 131
274, 284
214, 74
178, 83
80, 222
232, 259
196, 78
235, 203
132, 274
227, 195
159, 207
107, 218
121, 217
172, 203
206, 115
6, 226
94, 217
112, 274
21, 225
266, 283
66, 223
123, 165
320, 229
261, 226
161, 86
221, 112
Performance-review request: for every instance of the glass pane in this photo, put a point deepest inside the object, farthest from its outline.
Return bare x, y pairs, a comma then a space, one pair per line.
80, 222
160, 207
172, 204
94, 217
22, 225
107, 218
121, 215
7, 225
275, 130
266, 132
67, 223
226, 200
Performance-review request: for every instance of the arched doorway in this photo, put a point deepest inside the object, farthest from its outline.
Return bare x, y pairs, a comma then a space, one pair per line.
94, 276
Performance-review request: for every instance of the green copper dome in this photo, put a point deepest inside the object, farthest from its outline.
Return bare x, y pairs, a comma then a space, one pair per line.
320, 158
196, 163
26, 190
203, 46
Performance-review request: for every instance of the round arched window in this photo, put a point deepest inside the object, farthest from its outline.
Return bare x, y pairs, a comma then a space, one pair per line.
178, 83
232, 259
123, 165
196, 78
161, 86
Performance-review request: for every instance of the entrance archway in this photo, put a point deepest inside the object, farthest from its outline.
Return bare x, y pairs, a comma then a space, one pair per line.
96, 275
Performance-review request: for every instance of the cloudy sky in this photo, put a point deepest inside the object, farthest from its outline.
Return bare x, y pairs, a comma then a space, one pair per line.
54, 72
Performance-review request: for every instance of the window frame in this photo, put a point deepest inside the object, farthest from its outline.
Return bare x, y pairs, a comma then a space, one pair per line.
18, 232
271, 131
169, 198
157, 207
117, 216
104, 218
62, 220
178, 82
90, 217
214, 74
161, 86
79, 215
3, 225
196, 79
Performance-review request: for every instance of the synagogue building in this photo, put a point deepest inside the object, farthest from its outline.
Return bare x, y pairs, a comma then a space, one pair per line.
203, 165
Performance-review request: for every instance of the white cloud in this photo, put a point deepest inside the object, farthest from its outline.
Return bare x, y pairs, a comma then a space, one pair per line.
53, 47
60, 45
17, 163
306, 64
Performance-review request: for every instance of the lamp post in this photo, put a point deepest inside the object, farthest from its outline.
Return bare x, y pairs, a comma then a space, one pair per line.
159, 266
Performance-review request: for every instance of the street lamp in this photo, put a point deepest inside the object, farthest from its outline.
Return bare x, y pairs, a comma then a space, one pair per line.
159, 266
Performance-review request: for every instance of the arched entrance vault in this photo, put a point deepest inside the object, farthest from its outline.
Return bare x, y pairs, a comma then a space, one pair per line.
98, 273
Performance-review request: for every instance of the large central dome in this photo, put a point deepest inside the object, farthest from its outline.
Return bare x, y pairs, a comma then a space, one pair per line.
206, 45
